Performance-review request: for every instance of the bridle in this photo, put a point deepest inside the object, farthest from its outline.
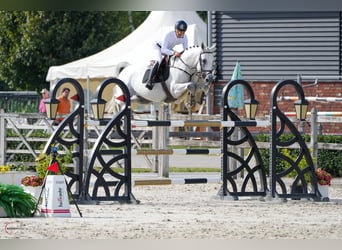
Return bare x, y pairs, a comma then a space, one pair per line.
192, 71
202, 75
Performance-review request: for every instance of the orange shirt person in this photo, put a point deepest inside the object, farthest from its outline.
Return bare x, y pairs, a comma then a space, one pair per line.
64, 106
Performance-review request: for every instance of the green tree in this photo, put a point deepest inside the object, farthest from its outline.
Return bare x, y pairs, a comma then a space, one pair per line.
32, 41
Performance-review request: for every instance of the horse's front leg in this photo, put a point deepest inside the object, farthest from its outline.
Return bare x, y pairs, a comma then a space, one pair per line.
179, 88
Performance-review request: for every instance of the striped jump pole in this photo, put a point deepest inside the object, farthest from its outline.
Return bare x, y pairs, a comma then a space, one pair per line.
190, 151
200, 123
175, 180
311, 98
195, 151
323, 113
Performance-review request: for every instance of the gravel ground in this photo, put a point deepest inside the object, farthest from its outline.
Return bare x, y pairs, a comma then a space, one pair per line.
193, 211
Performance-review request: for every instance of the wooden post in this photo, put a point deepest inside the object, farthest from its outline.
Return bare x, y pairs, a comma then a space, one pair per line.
2, 138
313, 140
164, 140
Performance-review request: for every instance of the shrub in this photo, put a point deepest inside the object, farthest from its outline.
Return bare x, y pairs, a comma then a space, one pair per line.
330, 159
16, 202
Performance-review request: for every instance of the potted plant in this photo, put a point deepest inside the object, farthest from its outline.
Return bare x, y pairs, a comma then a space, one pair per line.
32, 184
12, 173
323, 177
32, 181
323, 181
15, 202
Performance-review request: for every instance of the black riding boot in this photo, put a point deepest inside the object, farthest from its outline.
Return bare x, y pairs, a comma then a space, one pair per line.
153, 71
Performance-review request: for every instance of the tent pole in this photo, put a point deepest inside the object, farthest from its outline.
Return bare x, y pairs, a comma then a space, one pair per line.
88, 94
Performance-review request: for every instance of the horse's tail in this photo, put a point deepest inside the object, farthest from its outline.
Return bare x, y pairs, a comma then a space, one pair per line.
119, 67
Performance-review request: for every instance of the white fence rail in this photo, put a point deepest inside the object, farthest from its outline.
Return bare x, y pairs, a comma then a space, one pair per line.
23, 127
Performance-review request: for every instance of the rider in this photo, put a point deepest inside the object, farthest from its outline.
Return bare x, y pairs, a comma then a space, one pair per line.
165, 47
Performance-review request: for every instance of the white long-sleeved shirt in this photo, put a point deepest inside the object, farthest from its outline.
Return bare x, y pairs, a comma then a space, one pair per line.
170, 40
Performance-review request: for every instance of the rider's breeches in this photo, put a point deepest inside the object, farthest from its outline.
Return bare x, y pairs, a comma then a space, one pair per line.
156, 54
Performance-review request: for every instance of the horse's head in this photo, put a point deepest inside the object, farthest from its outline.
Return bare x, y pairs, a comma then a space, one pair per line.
205, 64
205, 67
199, 63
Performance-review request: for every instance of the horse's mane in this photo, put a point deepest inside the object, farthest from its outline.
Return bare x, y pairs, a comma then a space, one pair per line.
201, 47
192, 47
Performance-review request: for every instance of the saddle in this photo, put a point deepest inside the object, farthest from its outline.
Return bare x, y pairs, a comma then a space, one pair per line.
162, 74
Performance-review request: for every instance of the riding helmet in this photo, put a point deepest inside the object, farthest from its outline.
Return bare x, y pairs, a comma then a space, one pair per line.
181, 25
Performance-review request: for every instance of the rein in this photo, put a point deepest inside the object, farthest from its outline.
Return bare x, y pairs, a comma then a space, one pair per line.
200, 73
183, 70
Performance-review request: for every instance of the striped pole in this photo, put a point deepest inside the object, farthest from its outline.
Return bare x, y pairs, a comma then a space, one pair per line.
199, 180
195, 151
200, 123
189, 151
311, 98
324, 113
169, 181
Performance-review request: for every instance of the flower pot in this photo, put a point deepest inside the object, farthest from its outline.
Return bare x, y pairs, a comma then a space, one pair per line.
14, 177
34, 191
324, 190
2, 213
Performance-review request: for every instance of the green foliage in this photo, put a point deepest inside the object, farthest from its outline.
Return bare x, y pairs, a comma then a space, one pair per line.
44, 161
292, 155
16, 202
19, 101
329, 160
32, 41
20, 167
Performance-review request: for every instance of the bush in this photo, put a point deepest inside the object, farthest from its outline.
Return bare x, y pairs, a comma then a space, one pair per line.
16, 202
329, 160
44, 161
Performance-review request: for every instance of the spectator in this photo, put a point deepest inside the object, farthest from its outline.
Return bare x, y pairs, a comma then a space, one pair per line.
64, 106
45, 95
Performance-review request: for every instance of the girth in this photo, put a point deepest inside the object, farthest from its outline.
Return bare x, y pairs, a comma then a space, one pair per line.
169, 97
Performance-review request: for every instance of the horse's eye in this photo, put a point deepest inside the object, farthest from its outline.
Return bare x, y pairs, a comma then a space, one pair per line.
204, 61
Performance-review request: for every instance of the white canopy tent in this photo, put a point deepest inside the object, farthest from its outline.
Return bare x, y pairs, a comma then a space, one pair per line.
132, 49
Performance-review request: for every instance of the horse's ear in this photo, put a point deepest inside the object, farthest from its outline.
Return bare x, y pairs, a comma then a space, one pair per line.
202, 46
212, 48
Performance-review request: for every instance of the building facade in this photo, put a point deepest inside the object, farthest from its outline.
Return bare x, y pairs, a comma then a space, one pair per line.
274, 46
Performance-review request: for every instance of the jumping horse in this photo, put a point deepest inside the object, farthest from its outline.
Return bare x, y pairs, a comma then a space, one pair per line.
192, 71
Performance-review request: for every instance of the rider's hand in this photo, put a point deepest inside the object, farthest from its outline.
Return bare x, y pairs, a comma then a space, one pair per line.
177, 54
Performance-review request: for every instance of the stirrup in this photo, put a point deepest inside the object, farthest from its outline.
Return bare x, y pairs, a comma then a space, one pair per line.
149, 85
